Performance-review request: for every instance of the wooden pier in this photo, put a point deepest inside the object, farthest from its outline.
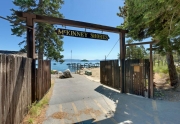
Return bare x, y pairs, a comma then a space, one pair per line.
79, 66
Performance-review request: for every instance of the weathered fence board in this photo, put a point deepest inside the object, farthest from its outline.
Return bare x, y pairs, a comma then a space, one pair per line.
43, 78
110, 73
1, 88
116, 74
16, 86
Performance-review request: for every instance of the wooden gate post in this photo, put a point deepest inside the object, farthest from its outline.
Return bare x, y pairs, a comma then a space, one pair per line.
122, 60
151, 74
31, 50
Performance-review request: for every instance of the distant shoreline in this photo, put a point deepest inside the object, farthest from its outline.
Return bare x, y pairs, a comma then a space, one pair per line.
79, 60
62, 67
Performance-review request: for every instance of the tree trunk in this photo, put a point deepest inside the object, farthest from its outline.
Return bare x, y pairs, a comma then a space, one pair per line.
154, 59
41, 50
41, 43
172, 70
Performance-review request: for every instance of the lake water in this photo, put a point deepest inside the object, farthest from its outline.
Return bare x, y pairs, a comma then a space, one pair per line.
62, 67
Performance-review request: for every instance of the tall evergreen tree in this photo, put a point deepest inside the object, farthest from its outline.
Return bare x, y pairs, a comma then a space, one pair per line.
135, 52
48, 43
159, 19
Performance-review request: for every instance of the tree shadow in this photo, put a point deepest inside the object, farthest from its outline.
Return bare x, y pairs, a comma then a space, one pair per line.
90, 121
128, 108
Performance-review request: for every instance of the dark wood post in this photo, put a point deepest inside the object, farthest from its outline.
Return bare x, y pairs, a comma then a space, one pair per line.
122, 61
31, 50
151, 73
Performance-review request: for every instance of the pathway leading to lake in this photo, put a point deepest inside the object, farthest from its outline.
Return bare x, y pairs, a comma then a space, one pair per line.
80, 100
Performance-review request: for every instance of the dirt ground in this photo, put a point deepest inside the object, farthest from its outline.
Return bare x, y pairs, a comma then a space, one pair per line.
162, 89
95, 74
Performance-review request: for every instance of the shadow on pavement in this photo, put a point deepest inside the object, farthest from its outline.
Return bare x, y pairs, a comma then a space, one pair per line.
138, 110
90, 121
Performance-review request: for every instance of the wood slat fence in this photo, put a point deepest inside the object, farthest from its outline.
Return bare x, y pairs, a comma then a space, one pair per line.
43, 78
110, 73
137, 77
16, 86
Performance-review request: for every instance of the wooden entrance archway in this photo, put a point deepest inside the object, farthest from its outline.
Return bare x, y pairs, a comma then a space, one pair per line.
31, 18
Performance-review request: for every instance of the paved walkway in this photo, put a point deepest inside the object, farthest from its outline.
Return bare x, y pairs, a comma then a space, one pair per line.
79, 100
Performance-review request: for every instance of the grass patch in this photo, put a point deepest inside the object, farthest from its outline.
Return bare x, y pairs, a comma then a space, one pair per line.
53, 72
160, 69
30, 121
37, 110
178, 70
164, 69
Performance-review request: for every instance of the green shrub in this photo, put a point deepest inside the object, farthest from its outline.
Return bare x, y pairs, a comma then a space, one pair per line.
160, 69
52, 72
163, 69
178, 69
30, 121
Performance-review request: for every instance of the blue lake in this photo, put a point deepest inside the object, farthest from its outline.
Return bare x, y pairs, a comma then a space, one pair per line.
61, 67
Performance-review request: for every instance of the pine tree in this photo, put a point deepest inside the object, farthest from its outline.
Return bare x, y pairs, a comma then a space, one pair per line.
159, 19
135, 52
48, 43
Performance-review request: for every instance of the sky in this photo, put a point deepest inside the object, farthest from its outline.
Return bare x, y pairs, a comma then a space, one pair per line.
103, 12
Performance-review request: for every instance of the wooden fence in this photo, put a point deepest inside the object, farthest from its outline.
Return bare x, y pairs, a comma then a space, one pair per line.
110, 73
43, 78
16, 86
137, 77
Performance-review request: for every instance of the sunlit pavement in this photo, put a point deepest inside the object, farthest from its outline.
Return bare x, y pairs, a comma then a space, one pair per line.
79, 100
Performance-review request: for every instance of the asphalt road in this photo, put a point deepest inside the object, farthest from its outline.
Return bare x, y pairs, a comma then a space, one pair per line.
79, 100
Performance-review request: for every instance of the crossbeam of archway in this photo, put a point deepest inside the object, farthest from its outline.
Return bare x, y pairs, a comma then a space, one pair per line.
67, 22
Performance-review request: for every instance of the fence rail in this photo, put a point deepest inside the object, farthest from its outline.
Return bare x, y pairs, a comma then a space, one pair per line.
16, 86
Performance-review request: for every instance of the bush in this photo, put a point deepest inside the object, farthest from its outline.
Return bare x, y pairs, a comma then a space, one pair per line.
178, 69
160, 69
52, 72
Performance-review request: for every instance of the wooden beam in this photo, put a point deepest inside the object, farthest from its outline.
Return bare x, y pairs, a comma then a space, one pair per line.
122, 60
31, 51
151, 74
67, 22
152, 49
30, 34
139, 43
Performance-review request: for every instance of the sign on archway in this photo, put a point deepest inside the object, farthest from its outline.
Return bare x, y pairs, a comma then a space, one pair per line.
81, 34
